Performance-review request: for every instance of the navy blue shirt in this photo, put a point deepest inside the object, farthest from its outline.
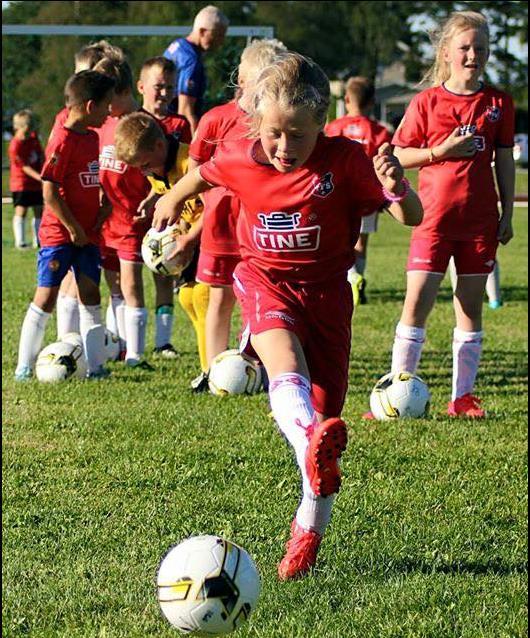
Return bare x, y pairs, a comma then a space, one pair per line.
191, 76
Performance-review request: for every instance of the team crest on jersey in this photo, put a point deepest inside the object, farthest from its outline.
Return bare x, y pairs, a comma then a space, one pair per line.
90, 177
323, 186
282, 232
493, 113
478, 140
109, 162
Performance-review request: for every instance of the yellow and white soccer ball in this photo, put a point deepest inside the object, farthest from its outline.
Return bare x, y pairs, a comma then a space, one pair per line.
61, 361
207, 586
157, 246
234, 373
400, 395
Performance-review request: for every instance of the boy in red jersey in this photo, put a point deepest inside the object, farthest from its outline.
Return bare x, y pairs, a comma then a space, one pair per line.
219, 252
69, 231
302, 197
358, 126
25, 162
451, 132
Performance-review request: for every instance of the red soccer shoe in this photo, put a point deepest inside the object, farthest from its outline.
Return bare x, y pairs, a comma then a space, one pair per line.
300, 553
327, 442
466, 406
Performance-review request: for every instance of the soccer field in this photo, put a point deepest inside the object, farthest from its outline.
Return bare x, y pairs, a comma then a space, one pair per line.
428, 537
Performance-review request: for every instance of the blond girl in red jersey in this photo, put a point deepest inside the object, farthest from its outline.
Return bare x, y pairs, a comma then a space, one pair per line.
451, 132
303, 196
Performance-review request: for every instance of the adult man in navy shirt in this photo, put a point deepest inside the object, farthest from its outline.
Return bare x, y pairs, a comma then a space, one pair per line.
209, 29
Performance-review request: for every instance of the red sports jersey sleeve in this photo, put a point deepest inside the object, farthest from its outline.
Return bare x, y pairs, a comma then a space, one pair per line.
26, 152
458, 194
360, 129
177, 124
299, 226
72, 163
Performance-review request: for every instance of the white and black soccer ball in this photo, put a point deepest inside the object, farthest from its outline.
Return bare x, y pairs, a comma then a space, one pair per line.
207, 586
112, 346
234, 373
60, 361
157, 245
400, 395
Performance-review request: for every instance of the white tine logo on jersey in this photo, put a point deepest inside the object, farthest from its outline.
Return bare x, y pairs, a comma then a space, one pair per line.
280, 232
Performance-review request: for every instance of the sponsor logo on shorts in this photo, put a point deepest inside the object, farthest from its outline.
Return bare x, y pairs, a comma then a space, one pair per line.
108, 161
280, 232
276, 314
54, 265
419, 260
493, 113
323, 186
91, 177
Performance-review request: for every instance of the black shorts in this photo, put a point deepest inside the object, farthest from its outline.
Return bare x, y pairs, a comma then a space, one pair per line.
27, 198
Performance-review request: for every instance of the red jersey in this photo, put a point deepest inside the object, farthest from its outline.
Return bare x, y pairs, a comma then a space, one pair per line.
458, 194
301, 226
361, 129
124, 185
58, 122
72, 163
173, 124
221, 207
26, 152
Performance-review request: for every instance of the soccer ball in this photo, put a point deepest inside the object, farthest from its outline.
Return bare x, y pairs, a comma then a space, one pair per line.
207, 585
399, 396
72, 337
234, 373
60, 361
112, 346
157, 245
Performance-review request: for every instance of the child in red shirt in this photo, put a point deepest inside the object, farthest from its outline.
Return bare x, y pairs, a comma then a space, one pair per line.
451, 132
25, 162
302, 198
69, 231
357, 125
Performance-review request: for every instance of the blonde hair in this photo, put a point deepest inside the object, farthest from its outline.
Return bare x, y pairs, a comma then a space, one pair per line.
136, 133
88, 56
254, 58
292, 81
24, 120
457, 22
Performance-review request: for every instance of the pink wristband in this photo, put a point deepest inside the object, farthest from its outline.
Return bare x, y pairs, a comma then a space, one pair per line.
398, 198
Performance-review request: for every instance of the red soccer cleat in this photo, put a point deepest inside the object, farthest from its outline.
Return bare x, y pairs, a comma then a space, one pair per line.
466, 406
301, 553
327, 442
368, 416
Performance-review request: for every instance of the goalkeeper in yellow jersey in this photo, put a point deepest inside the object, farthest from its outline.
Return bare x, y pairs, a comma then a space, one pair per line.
141, 142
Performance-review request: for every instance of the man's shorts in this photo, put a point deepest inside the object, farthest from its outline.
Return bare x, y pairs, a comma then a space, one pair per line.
216, 270
369, 224
320, 316
111, 257
471, 257
53, 262
27, 198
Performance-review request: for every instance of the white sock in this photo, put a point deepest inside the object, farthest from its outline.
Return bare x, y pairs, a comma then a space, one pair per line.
493, 284
31, 336
467, 348
135, 329
93, 340
36, 225
163, 325
360, 265
452, 273
111, 320
19, 230
120, 321
291, 405
67, 315
406, 353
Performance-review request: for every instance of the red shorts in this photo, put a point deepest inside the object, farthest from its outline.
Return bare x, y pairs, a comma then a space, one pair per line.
320, 316
433, 255
110, 257
216, 270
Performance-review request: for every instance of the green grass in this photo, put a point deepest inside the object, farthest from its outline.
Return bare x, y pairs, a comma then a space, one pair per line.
428, 538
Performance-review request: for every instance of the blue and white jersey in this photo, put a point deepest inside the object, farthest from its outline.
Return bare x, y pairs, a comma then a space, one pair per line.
191, 76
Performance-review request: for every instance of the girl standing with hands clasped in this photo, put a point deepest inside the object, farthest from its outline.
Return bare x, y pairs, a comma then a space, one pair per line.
302, 196
451, 132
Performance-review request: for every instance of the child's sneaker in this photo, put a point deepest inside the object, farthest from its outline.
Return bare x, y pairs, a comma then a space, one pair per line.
23, 374
100, 373
466, 406
495, 304
327, 442
300, 553
200, 383
166, 351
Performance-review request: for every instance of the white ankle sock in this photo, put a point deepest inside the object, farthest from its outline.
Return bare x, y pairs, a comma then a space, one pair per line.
467, 348
493, 284
163, 325
135, 329
93, 335
314, 512
111, 319
67, 315
19, 230
406, 353
31, 336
